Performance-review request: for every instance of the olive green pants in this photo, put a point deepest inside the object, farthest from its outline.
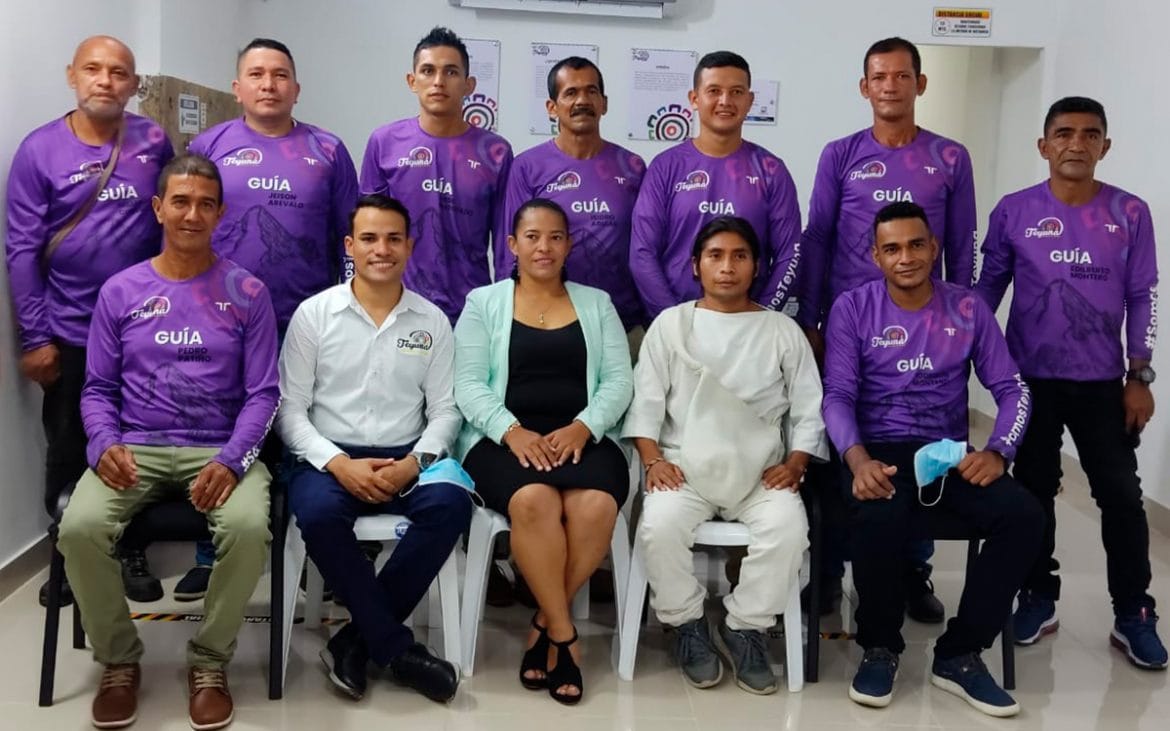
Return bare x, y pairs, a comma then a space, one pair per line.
95, 519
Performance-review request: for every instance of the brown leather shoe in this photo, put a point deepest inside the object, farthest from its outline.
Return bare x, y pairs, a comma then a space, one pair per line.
211, 703
116, 702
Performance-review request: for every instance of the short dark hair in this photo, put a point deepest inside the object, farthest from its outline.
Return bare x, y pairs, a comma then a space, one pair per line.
898, 211
270, 44
543, 203
1075, 105
727, 224
719, 59
576, 63
889, 45
382, 202
189, 164
440, 36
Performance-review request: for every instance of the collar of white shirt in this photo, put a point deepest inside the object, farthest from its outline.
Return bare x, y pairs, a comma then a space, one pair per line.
342, 298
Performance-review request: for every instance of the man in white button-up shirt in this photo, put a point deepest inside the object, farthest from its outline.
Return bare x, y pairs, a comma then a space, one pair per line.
366, 380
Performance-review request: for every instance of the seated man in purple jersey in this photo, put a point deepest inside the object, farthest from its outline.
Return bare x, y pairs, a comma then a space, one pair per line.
899, 353
289, 187
181, 388
718, 173
450, 174
1082, 256
891, 160
66, 237
366, 372
595, 181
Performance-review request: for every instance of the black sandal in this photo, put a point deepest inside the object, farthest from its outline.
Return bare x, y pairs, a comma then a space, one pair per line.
565, 672
536, 658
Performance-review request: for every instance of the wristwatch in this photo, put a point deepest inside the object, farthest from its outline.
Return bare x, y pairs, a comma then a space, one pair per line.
1145, 375
424, 459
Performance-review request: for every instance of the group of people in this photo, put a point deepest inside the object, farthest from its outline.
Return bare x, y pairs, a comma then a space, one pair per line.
272, 315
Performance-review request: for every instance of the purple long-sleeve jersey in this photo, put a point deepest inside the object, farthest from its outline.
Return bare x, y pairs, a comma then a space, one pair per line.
454, 190
684, 189
856, 177
598, 195
288, 204
892, 375
53, 174
1079, 272
187, 363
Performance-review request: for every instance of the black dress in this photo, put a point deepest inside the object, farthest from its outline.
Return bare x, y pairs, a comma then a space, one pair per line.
546, 390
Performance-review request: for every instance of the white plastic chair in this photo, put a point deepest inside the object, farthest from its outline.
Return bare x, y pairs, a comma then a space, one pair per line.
387, 529
709, 533
485, 526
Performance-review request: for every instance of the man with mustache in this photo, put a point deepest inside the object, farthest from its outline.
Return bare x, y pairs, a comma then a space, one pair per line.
66, 237
595, 181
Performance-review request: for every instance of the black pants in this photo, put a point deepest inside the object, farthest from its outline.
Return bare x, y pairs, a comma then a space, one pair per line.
1003, 513
61, 417
1094, 413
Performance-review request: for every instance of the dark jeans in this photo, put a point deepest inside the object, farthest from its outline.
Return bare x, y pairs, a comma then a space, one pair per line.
1003, 514
439, 513
1094, 413
61, 417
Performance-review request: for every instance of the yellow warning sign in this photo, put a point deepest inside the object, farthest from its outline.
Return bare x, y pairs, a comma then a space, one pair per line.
962, 22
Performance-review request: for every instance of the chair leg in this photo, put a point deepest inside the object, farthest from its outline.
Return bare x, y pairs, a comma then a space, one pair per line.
813, 647
294, 562
277, 649
448, 581
794, 655
631, 624
314, 593
580, 608
78, 628
1008, 642
479, 557
52, 624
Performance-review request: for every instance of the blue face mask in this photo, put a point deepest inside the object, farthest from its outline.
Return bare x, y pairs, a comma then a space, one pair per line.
934, 460
449, 470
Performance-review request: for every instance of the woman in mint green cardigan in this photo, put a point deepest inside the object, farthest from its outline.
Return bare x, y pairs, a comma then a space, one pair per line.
543, 377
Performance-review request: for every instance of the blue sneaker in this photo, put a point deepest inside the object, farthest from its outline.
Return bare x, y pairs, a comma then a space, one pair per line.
967, 677
1035, 617
873, 684
1137, 637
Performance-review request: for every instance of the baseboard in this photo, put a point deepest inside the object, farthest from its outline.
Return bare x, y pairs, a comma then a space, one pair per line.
1157, 514
26, 565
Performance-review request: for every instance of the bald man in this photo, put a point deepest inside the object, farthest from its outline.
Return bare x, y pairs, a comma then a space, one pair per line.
77, 214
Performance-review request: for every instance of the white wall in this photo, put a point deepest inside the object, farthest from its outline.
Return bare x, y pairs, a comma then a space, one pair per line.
35, 90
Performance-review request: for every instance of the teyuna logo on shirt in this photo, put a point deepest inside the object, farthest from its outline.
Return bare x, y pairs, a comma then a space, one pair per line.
245, 156
418, 157
875, 169
1045, 228
893, 336
91, 169
155, 306
567, 180
418, 343
696, 180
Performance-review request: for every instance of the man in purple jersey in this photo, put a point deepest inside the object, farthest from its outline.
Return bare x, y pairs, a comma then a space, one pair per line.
1081, 254
54, 176
595, 181
181, 388
716, 174
449, 174
892, 160
899, 354
289, 187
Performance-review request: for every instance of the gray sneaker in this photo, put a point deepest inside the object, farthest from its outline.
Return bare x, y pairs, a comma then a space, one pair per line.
746, 651
696, 655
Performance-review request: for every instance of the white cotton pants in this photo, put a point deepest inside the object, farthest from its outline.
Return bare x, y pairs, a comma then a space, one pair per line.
779, 537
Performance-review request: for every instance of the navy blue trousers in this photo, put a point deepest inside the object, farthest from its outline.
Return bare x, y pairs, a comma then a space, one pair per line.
378, 604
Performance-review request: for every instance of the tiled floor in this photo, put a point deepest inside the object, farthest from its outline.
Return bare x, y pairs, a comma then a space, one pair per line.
1073, 680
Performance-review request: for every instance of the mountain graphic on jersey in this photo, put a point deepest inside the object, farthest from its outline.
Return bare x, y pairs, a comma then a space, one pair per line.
1087, 331
591, 264
193, 404
428, 282
928, 418
259, 242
